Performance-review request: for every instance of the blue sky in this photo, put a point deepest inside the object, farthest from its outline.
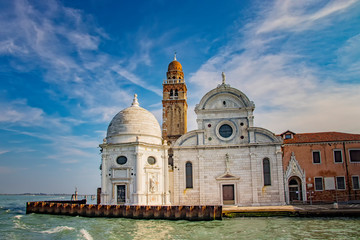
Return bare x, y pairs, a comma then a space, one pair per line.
67, 67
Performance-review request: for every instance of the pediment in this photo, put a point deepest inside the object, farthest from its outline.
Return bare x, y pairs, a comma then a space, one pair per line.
227, 176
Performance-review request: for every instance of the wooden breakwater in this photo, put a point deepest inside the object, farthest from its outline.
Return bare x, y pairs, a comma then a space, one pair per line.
192, 213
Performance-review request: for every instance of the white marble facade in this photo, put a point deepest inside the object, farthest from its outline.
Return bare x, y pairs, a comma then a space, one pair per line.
134, 160
225, 156
221, 163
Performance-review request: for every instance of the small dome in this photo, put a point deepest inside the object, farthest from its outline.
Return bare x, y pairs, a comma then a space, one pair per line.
134, 124
174, 65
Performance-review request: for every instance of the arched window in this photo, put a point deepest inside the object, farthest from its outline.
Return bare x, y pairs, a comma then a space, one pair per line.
171, 93
189, 178
266, 171
176, 93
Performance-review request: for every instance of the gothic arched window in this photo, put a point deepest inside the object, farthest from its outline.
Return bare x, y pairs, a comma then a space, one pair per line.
266, 171
189, 177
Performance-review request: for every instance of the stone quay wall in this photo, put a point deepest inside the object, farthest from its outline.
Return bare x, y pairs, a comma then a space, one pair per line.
192, 213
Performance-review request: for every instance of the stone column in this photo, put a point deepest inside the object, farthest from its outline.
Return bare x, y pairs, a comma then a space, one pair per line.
280, 175
202, 194
104, 177
138, 178
165, 177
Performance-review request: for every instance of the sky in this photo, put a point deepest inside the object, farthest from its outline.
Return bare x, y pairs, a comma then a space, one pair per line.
67, 67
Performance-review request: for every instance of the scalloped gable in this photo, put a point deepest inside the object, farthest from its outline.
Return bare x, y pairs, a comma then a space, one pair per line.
263, 135
188, 139
214, 99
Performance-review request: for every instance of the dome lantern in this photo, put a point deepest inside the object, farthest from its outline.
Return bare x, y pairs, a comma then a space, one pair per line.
175, 70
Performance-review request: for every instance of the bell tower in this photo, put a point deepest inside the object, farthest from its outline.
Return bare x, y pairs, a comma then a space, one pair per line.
174, 103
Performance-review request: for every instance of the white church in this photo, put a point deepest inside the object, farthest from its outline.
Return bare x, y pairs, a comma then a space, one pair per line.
226, 161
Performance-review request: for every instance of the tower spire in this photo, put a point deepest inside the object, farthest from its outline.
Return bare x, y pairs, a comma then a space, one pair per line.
175, 56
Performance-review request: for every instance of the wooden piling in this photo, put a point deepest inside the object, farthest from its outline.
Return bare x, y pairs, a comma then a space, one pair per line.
191, 213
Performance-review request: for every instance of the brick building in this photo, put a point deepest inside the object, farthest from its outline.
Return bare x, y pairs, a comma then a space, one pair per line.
321, 167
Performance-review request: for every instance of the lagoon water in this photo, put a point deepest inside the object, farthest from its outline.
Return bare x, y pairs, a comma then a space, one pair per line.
15, 224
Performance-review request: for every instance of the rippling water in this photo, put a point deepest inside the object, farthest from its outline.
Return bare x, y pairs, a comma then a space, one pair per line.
15, 224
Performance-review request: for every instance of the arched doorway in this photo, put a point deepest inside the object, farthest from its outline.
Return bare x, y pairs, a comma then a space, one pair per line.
295, 191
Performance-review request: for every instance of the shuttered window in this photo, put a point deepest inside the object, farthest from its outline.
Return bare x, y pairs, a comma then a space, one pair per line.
316, 157
318, 184
340, 183
337, 156
355, 180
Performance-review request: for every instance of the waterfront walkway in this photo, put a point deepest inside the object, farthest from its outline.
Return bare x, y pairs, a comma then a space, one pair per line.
325, 210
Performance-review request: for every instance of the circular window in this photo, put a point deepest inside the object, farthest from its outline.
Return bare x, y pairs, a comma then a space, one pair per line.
225, 130
151, 160
121, 160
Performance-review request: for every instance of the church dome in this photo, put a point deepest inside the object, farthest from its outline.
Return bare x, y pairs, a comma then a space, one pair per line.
174, 66
134, 124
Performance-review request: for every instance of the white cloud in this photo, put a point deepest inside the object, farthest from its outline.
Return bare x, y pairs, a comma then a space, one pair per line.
287, 92
136, 80
69, 52
20, 113
349, 55
4, 151
297, 15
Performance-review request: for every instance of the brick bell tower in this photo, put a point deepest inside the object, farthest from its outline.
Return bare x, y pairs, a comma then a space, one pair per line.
174, 103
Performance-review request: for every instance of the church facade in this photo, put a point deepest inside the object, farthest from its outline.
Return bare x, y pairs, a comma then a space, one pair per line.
226, 161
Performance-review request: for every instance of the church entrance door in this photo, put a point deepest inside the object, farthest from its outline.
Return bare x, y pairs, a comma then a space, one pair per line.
228, 194
295, 190
121, 194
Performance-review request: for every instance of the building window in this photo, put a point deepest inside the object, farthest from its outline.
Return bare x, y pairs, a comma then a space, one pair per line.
338, 156
151, 160
189, 177
316, 157
355, 181
287, 136
354, 155
318, 183
225, 130
121, 160
340, 183
266, 171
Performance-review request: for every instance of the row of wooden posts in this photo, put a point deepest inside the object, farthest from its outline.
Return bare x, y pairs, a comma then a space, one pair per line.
138, 212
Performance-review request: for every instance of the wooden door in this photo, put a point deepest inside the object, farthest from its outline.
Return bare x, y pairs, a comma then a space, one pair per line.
228, 194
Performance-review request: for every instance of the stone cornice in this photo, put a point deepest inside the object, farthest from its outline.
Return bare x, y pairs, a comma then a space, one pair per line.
226, 146
317, 143
106, 145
